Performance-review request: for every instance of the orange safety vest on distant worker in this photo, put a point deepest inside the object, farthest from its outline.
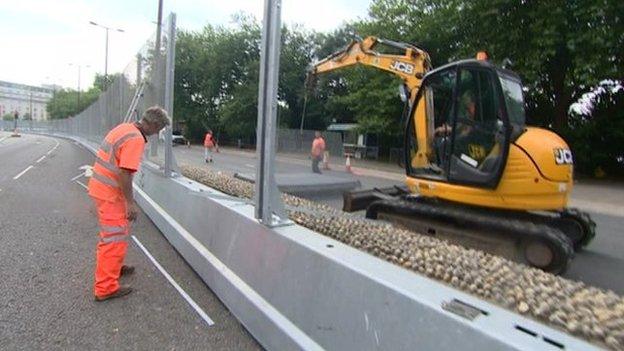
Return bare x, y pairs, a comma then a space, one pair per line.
318, 146
208, 140
122, 148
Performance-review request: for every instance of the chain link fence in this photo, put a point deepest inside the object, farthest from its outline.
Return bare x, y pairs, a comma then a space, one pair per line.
143, 83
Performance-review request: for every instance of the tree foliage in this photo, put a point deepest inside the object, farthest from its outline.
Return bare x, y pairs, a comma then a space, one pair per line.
68, 102
597, 130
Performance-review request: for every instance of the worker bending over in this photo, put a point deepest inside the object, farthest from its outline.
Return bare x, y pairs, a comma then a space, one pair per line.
110, 187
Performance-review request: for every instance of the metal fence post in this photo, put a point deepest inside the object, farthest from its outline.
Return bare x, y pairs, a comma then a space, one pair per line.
269, 207
169, 80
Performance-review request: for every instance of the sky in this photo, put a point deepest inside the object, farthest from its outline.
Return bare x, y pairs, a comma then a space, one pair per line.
49, 41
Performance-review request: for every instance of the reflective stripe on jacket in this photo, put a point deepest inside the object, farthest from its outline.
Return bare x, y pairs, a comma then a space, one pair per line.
125, 138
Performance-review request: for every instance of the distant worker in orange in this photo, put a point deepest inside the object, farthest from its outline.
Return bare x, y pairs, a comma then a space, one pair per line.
318, 148
209, 145
110, 187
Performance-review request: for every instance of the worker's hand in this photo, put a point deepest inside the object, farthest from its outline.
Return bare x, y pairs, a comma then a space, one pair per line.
132, 211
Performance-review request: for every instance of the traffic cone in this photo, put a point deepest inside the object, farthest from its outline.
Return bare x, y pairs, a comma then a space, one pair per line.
348, 164
326, 160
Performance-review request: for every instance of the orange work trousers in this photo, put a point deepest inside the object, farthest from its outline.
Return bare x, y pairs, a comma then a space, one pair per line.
111, 248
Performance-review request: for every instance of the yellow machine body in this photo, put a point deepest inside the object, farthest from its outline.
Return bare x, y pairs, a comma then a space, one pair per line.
531, 179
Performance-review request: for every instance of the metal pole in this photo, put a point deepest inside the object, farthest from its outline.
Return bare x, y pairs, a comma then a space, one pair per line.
139, 77
78, 107
156, 70
169, 76
269, 207
305, 104
106, 60
159, 25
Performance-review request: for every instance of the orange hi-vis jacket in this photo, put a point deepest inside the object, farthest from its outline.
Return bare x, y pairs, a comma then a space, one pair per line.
318, 146
122, 148
208, 140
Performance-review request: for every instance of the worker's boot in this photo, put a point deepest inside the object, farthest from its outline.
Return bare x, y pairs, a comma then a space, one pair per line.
122, 291
127, 270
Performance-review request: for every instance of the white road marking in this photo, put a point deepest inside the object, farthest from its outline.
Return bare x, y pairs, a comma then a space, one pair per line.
54, 148
188, 299
250, 166
41, 158
22, 172
81, 184
76, 177
2, 139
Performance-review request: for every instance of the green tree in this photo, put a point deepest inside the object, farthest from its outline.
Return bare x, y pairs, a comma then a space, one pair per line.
68, 102
597, 131
561, 48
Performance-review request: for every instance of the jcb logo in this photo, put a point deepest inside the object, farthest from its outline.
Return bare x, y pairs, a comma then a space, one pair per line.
402, 67
563, 157
476, 151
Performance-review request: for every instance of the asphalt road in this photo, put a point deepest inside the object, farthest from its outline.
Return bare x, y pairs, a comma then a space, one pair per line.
48, 233
600, 264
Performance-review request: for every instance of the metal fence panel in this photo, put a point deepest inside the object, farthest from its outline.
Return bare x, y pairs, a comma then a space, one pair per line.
297, 141
147, 68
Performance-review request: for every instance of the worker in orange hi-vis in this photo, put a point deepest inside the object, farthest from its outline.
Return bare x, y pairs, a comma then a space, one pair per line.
209, 145
318, 148
110, 187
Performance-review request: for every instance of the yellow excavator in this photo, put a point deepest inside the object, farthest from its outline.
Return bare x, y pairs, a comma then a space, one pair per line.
477, 175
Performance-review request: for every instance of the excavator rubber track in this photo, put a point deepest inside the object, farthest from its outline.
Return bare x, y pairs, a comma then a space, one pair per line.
530, 239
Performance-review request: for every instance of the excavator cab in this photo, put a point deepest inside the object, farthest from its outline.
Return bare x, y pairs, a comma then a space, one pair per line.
462, 123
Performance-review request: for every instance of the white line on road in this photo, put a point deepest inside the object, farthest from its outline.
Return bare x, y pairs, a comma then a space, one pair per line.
250, 166
41, 158
76, 177
175, 285
81, 184
2, 139
22, 172
54, 148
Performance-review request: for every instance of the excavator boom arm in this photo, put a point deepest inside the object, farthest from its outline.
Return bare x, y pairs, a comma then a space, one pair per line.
411, 66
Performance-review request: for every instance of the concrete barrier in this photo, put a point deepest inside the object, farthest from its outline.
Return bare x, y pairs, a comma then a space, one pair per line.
296, 289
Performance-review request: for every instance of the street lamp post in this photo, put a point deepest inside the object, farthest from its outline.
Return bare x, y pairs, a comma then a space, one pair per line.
78, 98
106, 46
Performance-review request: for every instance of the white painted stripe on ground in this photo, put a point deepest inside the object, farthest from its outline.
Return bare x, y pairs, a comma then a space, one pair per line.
76, 177
41, 158
22, 172
54, 148
186, 296
81, 184
2, 139
250, 166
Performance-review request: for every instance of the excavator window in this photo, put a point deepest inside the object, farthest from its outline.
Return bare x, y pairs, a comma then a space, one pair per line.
434, 114
512, 92
476, 147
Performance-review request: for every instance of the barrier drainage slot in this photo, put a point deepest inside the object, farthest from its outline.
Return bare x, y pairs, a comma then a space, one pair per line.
525, 330
554, 343
463, 309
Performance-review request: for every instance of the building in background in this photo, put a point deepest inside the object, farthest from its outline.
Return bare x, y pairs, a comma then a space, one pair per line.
27, 100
